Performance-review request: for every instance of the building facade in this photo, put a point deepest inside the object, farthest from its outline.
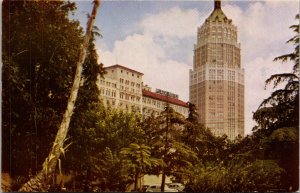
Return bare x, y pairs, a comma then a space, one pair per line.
123, 88
217, 79
155, 102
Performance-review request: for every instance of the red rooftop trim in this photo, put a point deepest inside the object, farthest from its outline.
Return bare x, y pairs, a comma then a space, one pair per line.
164, 98
120, 66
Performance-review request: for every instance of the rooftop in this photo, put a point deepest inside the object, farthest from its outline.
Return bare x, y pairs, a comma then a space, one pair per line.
123, 67
164, 98
218, 14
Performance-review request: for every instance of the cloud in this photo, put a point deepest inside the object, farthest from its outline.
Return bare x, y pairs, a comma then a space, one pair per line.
157, 50
140, 52
263, 29
136, 51
162, 47
257, 71
173, 23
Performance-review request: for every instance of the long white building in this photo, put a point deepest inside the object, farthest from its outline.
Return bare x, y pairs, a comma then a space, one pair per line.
123, 88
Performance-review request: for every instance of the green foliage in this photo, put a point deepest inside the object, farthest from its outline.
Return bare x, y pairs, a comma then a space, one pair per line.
278, 118
281, 109
99, 133
260, 175
138, 158
166, 142
40, 50
112, 171
285, 135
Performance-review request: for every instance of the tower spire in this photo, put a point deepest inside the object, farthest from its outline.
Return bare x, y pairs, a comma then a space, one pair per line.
217, 4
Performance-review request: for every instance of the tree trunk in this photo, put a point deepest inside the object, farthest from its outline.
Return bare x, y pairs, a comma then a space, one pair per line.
163, 180
136, 181
40, 182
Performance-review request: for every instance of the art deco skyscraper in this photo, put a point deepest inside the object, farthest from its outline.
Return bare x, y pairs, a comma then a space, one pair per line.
217, 79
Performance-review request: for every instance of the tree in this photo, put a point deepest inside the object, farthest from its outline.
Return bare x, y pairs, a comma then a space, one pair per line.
238, 176
139, 159
112, 171
49, 165
86, 113
281, 109
278, 117
93, 131
195, 135
40, 51
166, 142
35, 78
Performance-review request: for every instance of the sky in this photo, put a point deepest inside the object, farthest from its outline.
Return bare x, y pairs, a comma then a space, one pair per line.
157, 38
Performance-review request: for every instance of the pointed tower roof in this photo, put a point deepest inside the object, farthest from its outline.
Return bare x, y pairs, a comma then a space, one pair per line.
218, 14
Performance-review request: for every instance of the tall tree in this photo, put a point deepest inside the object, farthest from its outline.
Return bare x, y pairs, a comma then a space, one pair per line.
95, 130
281, 109
139, 159
167, 145
278, 117
34, 77
39, 58
39, 182
87, 112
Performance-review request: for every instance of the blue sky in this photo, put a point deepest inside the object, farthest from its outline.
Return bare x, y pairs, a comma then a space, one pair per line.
157, 38
116, 18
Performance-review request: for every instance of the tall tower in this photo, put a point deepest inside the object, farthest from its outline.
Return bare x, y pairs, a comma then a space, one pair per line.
217, 79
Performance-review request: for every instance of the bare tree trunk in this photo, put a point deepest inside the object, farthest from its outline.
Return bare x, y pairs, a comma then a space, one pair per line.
40, 182
163, 180
136, 178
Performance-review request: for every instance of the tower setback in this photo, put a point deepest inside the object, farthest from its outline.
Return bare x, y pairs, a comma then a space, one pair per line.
217, 79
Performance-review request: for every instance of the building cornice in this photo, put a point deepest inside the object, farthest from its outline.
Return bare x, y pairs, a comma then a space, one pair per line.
123, 67
164, 98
